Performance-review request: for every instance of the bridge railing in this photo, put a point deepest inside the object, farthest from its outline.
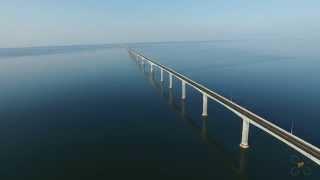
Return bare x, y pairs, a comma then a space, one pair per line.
310, 151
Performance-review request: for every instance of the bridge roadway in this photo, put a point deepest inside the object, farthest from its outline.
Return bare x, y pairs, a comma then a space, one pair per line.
310, 151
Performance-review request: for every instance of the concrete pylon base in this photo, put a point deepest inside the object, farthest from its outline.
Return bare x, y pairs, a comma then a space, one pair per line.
244, 146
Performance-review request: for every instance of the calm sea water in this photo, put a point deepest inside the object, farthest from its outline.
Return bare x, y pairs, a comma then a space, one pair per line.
93, 113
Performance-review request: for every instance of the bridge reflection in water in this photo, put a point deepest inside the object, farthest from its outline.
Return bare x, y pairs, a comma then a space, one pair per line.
216, 148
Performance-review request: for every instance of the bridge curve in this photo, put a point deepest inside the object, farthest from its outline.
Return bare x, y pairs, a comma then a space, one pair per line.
310, 151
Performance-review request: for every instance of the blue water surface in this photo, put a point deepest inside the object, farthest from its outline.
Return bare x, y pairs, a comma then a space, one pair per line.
96, 113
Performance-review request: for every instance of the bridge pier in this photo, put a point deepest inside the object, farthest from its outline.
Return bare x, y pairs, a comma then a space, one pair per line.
205, 105
183, 87
151, 68
141, 63
308, 150
170, 80
161, 75
245, 133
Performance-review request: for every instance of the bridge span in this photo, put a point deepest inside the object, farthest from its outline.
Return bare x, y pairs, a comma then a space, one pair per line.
310, 151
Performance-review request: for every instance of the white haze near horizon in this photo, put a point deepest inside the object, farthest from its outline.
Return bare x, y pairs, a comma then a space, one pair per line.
285, 23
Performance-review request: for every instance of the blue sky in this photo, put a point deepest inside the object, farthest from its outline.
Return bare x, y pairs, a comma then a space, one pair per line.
59, 22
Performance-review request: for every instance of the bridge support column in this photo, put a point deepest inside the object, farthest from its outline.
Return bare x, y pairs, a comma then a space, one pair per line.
205, 105
183, 87
245, 133
161, 75
170, 80
151, 67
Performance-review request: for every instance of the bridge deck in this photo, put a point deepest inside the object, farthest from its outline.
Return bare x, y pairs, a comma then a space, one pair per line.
295, 142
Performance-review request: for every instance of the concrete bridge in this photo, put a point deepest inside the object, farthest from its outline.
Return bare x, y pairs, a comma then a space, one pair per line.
227, 159
310, 151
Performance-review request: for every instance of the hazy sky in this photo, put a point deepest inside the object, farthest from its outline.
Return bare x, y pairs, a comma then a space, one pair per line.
60, 22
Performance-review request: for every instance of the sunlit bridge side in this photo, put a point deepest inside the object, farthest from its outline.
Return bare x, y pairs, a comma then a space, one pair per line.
310, 151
